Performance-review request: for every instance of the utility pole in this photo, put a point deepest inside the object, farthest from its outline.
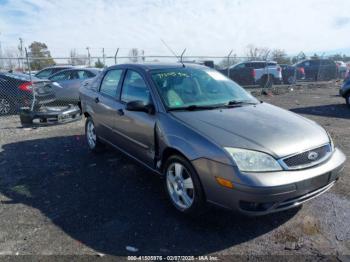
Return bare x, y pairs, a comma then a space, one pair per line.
89, 57
20, 48
103, 56
1, 61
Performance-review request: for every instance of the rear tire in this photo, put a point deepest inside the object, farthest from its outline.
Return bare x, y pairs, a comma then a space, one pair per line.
291, 80
183, 186
94, 143
266, 81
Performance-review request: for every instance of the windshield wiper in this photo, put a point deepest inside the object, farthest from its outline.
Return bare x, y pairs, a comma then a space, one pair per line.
192, 108
239, 103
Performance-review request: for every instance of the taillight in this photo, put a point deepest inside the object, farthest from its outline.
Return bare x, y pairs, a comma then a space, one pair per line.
27, 86
301, 70
253, 73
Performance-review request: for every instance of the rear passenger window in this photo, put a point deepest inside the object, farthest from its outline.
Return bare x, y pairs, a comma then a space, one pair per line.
134, 88
257, 65
240, 66
110, 82
84, 74
59, 77
45, 73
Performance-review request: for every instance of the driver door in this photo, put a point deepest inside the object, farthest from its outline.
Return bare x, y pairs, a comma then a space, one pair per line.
136, 129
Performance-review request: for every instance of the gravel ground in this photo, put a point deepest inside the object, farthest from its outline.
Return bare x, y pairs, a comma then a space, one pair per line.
56, 198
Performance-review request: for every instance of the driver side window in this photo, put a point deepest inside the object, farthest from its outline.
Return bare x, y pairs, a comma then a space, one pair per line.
60, 76
135, 88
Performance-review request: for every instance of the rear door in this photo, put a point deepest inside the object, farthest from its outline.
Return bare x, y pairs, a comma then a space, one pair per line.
105, 104
75, 81
60, 81
136, 129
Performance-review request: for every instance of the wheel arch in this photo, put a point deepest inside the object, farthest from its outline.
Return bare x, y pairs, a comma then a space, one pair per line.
170, 151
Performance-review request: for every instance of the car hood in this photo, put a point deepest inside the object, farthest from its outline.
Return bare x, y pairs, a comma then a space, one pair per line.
261, 127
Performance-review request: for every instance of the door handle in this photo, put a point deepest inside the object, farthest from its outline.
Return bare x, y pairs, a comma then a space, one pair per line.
97, 100
120, 112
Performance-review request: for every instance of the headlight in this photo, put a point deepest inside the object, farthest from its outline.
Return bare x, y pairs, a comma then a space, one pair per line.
253, 161
330, 141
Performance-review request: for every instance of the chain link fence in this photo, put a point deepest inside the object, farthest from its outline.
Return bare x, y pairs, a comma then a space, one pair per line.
52, 93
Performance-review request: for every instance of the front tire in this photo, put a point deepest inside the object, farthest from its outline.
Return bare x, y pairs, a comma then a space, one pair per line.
266, 81
183, 186
94, 143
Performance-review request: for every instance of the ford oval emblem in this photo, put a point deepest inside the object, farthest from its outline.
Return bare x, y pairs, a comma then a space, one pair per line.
312, 155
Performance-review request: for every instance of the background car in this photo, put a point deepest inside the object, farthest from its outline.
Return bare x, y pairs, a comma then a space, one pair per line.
318, 69
345, 91
16, 90
289, 74
342, 68
260, 73
49, 71
67, 83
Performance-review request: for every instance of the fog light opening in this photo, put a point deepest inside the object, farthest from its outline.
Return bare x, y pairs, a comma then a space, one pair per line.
254, 206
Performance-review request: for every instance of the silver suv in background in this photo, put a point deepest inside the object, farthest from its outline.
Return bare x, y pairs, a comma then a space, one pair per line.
260, 73
49, 71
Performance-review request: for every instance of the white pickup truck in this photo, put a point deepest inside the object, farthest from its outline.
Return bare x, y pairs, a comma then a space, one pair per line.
263, 73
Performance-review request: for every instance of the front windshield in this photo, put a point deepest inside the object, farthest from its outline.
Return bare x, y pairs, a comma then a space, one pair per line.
183, 87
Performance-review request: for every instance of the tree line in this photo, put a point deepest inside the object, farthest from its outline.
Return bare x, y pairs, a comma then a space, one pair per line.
40, 57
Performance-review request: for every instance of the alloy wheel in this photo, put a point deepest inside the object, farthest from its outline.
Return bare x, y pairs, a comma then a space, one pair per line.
91, 134
5, 106
180, 186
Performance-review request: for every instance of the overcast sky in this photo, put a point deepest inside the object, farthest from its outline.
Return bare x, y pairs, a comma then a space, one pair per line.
211, 27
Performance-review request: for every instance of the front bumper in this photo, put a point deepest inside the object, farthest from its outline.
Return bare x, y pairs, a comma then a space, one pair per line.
50, 115
264, 193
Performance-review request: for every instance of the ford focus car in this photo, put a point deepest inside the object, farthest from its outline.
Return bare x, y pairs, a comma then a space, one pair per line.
210, 139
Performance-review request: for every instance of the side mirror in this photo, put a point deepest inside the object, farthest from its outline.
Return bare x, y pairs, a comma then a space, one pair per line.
140, 106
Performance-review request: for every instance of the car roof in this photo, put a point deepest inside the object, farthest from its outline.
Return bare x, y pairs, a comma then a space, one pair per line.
154, 66
91, 69
260, 61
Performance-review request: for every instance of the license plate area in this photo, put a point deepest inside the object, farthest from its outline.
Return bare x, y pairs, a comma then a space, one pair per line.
63, 117
313, 183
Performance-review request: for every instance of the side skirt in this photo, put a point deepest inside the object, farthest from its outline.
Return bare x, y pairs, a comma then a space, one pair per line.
131, 156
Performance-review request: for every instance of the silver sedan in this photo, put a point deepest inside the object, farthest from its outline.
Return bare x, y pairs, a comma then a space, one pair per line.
66, 83
210, 139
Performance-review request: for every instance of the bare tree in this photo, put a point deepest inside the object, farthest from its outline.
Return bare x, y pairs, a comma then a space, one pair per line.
260, 53
280, 56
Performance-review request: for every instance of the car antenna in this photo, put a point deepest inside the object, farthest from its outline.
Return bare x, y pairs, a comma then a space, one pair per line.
168, 47
182, 54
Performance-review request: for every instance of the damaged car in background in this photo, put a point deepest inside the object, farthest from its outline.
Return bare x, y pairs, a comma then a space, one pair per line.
32, 98
16, 91
209, 139
66, 83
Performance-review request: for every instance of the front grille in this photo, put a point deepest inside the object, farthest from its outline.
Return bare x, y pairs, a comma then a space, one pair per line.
305, 159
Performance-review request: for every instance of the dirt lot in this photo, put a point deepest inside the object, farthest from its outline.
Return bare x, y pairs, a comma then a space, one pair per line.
57, 198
